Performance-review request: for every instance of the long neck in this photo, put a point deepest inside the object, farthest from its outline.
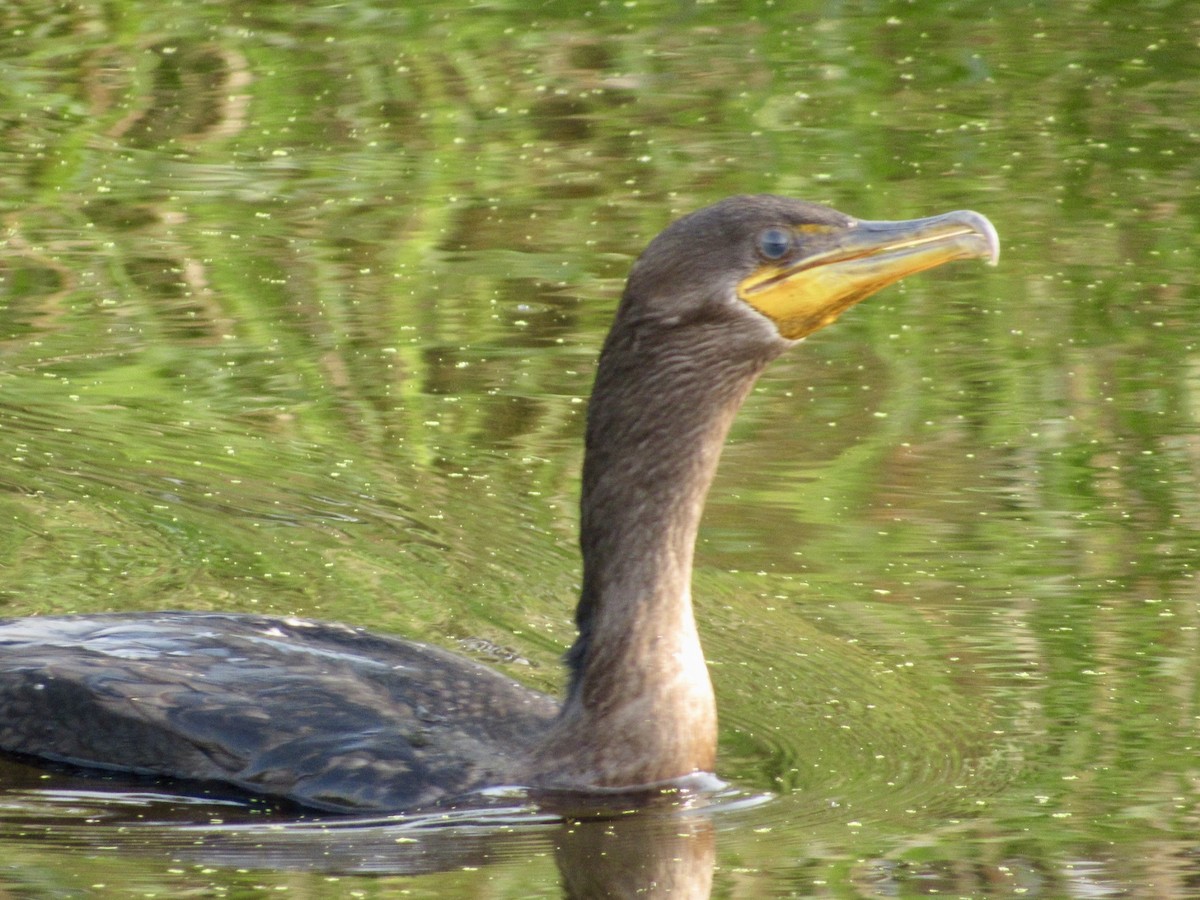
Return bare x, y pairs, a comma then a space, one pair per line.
640, 707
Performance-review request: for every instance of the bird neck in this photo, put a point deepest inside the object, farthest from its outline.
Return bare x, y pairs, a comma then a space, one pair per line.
640, 707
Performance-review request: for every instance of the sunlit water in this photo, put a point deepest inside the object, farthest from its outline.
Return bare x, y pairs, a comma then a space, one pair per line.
300, 309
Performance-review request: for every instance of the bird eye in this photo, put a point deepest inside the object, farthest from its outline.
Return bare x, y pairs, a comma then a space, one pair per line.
774, 243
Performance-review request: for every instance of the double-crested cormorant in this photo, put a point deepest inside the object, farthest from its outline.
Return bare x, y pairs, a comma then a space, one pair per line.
337, 718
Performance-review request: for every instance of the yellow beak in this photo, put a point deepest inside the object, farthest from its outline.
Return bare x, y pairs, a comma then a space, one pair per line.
838, 266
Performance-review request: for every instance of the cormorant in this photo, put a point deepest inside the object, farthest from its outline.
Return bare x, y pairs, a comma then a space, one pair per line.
341, 719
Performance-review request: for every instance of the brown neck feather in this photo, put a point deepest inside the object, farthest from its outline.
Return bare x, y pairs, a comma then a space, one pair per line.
640, 708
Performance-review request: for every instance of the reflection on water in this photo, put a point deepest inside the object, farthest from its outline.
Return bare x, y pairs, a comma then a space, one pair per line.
666, 846
298, 308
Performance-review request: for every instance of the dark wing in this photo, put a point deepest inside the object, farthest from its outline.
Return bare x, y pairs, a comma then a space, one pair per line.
322, 714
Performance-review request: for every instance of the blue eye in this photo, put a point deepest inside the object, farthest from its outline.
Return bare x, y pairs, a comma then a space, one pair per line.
774, 243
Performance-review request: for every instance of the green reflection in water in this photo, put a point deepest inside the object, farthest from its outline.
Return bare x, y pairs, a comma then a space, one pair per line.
300, 303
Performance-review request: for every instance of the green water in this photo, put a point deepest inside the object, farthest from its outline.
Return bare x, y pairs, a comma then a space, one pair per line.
299, 306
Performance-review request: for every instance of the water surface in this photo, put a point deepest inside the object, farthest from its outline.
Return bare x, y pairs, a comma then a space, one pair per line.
300, 307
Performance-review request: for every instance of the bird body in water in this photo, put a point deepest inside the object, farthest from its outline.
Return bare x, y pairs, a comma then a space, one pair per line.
341, 719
